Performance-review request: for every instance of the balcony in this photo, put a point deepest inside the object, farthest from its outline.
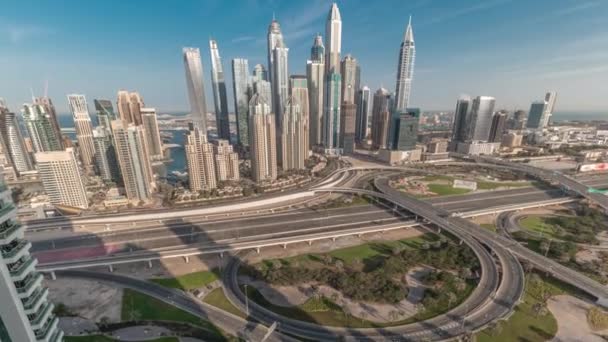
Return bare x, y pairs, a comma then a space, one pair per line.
41, 316
29, 285
56, 337
7, 210
47, 330
15, 250
20, 269
8, 231
32, 303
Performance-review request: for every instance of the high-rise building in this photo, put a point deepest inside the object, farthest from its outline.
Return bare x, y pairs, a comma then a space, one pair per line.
133, 158
259, 73
226, 161
40, 128
105, 113
536, 116
315, 74
61, 178
13, 142
380, 118
333, 89
274, 36
49, 109
499, 123
364, 106
405, 69
241, 87
219, 92
350, 78
280, 80
348, 112
25, 313
550, 98
405, 136
298, 89
105, 155
459, 128
196, 87
201, 163
293, 136
152, 134
263, 140
129, 107
84, 128
264, 88
479, 120
518, 121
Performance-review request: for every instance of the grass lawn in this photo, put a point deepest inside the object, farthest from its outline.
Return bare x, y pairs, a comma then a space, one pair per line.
524, 324
495, 185
538, 226
188, 281
102, 338
138, 306
219, 300
447, 189
434, 178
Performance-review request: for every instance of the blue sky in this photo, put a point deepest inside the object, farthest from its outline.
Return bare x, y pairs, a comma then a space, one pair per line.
511, 49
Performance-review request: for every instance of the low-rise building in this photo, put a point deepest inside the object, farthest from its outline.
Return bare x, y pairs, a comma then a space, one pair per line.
476, 148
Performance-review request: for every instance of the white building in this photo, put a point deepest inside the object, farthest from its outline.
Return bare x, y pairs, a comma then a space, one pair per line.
196, 87
152, 133
201, 164
405, 69
476, 148
61, 178
226, 161
263, 140
84, 128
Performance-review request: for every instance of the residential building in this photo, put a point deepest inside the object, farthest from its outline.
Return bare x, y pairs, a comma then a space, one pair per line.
61, 178
273, 37
293, 136
220, 98
241, 87
151, 133
315, 74
49, 109
201, 163
332, 114
298, 89
263, 140
40, 128
196, 87
405, 135
405, 69
13, 142
479, 119
226, 161
105, 155
380, 118
280, 80
364, 107
134, 161
538, 115
129, 106
348, 112
476, 148
259, 73
264, 88
550, 98
511, 140
518, 121
459, 127
350, 78
499, 124
333, 36
105, 113
25, 312
84, 128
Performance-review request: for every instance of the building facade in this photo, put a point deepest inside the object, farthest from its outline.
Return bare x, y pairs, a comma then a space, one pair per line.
364, 106
220, 98
84, 128
241, 87
405, 69
293, 136
105, 155
61, 178
196, 87
348, 112
350, 78
298, 89
151, 133
499, 124
405, 136
226, 161
538, 115
479, 120
129, 106
263, 140
105, 113
380, 118
332, 114
40, 128
13, 142
315, 74
49, 109
201, 163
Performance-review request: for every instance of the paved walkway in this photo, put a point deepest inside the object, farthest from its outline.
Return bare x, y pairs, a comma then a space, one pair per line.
140, 333
571, 316
76, 326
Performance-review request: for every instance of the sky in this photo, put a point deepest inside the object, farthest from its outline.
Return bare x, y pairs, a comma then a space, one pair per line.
514, 50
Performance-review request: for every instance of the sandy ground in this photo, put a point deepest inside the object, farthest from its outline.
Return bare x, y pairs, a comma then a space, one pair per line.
571, 316
380, 313
88, 299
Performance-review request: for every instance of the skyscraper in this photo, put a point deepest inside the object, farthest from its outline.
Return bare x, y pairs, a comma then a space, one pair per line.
380, 118
49, 109
201, 163
10, 133
280, 80
40, 128
84, 128
129, 107
219, 92
263, 88
364, 106
151, 133
537, 117
259, 73
518, 121
499, 122
406, 130
315, 74
405, 69
479, 120
240, 83
133, 158
105, 113
349, 69
196, 87
25, 313
461, 117
226, 161
263, 140
333, 34
293, 135
298, 89
550, 98
274, 36
61, 178
105, 155
348, 112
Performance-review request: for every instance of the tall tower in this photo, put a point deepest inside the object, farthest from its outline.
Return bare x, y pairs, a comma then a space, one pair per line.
274, 36
499, 122
280, 79
298, 89
405, 133
259, 73
196, 87
129, 107
40, 128
537, 117
293, 136
380, 118
479, 121
405, 69
151, 133
105, 113
49, 109
219, 92
201, 165
226, 161
105, 155
333, 90
551, 98
461, 117
12, 138
133, 158
348, 112
240, 84
61, 178
315, 74
25, 313
364, 107
263, 140
84, 128
349, 69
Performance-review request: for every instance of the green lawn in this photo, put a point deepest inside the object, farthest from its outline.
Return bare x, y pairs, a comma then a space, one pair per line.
219, 300
447, 189
102, 338
434, 178
188, 281
383, 248
138, 306
524, 324
495, 185
539, 226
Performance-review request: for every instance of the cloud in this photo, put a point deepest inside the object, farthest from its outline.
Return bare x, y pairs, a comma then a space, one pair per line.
243, 39
20, 33
480, 6
566, 11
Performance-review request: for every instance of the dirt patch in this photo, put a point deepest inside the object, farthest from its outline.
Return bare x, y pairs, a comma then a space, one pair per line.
571, 316
88, 299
